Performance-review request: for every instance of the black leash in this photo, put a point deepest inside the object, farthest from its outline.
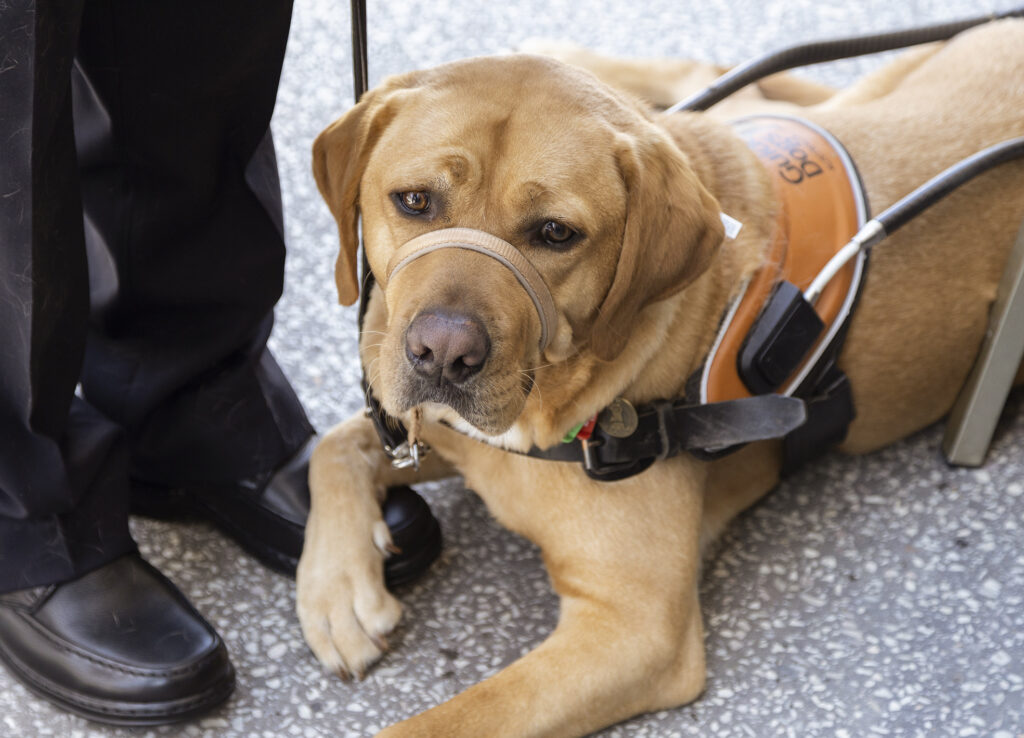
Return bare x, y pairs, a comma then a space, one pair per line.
359, 86
360, 83
393, 434
359, 67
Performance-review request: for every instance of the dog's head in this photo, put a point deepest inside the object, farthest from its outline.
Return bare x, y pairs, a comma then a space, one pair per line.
599, 200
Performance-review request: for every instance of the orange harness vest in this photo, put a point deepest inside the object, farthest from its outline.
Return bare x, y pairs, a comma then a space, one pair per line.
821, 206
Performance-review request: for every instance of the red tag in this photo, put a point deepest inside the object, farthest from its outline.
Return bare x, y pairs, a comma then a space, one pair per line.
587, 430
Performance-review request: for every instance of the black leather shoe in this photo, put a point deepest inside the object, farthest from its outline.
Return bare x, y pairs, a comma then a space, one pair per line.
119, 645
415, 533
266, 515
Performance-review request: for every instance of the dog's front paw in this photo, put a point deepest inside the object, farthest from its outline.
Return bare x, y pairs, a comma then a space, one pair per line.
344, 608
345, 611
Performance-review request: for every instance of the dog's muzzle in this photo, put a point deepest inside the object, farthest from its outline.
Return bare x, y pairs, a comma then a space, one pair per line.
494, 247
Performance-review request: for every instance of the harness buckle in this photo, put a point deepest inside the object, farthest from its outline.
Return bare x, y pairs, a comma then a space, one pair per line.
607, 472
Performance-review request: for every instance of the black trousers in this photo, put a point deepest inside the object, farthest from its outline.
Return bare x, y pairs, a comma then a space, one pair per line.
159, 301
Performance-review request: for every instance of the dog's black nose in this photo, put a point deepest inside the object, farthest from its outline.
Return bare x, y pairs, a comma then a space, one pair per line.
449, 345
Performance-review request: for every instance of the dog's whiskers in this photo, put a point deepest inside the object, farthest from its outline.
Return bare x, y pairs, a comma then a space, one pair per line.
527, 386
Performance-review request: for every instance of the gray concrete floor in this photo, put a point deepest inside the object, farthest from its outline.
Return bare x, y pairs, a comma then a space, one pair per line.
867, 596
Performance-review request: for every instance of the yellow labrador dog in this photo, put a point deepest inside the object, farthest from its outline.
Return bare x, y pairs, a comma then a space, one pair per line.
617, 210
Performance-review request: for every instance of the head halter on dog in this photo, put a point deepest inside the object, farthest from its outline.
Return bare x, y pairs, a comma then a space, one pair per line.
492, 246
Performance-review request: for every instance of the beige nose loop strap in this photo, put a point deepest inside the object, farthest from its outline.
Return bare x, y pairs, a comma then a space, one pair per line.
492, 246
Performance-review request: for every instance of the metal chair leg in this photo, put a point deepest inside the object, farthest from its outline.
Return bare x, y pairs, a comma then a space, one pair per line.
977, 409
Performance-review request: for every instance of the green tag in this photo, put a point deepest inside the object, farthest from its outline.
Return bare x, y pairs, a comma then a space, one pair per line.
571, 435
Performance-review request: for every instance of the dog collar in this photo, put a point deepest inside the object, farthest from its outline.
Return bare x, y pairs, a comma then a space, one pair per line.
489, 245
610, 450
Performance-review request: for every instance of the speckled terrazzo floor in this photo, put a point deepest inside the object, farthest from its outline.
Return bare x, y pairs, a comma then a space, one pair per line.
868, 596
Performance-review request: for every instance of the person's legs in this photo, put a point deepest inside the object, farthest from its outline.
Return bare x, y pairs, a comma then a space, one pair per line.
184, 226
186, 246
83, 620
63, 481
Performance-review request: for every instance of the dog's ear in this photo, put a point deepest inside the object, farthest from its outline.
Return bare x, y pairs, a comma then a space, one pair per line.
672, 230
340, 154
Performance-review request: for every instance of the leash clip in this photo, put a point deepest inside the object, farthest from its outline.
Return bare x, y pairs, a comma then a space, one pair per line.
405, 455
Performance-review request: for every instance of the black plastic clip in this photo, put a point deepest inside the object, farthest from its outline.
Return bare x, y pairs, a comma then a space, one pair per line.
783, 333
597, 469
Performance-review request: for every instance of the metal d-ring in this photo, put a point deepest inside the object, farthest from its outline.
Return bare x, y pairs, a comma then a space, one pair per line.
405, 456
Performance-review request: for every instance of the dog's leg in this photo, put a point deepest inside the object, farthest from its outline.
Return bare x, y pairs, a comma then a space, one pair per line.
736, 482
343, 606
664, 82
624, 559
784, 87
884, 80
660, 82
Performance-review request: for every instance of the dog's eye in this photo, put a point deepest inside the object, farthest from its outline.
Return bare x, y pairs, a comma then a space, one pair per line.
554, 233
414, 203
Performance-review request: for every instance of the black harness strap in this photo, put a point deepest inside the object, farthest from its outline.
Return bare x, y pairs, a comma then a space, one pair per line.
830, 411
666, 429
